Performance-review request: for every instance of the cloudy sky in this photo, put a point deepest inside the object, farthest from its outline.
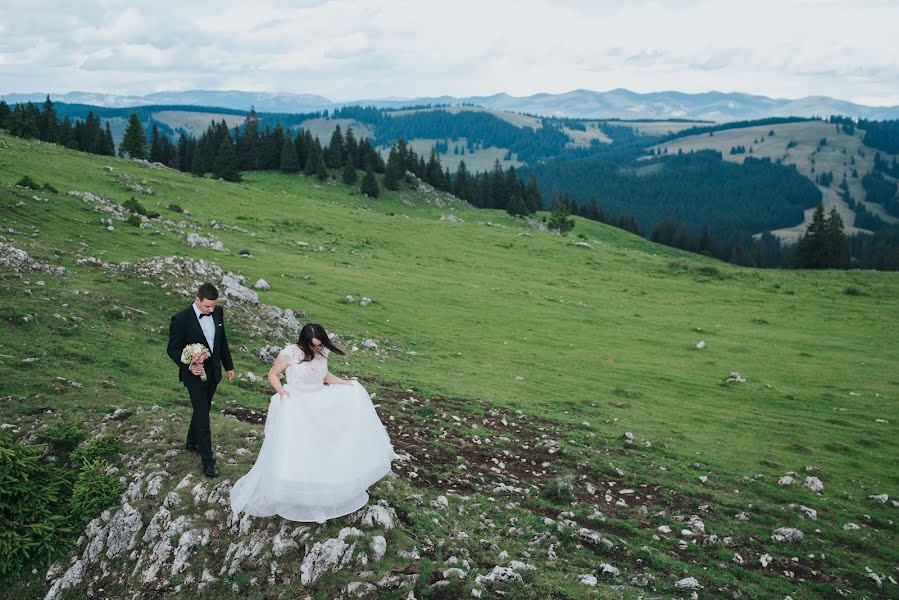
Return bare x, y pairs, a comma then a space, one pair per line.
355, 49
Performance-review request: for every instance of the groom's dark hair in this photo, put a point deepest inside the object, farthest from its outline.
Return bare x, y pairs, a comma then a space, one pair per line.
207, 291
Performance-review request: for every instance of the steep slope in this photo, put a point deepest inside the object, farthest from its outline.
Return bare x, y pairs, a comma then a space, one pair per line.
546, 394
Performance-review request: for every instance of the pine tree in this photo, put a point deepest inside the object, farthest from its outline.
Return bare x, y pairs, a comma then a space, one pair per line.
812, 247
349, 171
532, 196
321, 171
48, 124
226, 164
560, 220
248, 145
23, 121
4, 113
370, 184
335, 154
837, 242
135, 141
108, 142
313, 158
351, 146
393, 171
67, 134
156, 149
290, 163
460, 185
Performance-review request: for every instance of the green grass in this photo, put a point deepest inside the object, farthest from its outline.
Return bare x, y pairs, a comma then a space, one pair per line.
603, 335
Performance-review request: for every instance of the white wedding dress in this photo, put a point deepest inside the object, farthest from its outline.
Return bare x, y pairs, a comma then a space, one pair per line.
324, 446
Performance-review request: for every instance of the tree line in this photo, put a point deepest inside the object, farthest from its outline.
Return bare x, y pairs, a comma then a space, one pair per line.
30, 122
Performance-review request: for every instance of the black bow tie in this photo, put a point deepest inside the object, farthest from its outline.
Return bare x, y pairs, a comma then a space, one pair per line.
204, 315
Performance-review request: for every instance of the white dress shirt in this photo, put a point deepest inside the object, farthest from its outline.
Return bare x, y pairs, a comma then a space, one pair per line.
208, 327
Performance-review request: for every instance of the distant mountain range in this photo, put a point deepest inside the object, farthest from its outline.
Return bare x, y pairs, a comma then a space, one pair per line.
618, 103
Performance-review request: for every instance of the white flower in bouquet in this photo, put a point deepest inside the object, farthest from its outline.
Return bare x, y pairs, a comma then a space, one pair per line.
195, 354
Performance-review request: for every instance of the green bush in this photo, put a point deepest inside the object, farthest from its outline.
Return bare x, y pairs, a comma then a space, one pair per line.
50, 188
559, 490
133, 206
133, 220
28, 182
175, 208
34, 521
62, 436
94, 491
102, 447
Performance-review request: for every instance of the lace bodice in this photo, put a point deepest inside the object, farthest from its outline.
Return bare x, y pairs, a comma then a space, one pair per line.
302, 373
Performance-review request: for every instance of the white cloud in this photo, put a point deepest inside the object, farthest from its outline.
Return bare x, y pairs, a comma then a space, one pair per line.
351, 50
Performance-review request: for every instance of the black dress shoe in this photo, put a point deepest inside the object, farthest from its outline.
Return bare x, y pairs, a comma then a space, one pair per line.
210, 471
192, 448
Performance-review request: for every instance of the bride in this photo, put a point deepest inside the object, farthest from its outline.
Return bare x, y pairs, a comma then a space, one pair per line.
324, 443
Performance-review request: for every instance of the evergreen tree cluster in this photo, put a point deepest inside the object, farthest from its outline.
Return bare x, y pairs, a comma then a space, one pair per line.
478, 127
699, 189
30, 122
501, 189
824, 244
881, 191
883, 135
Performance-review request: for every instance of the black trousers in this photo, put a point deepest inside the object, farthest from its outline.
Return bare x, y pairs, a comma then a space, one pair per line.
199, 433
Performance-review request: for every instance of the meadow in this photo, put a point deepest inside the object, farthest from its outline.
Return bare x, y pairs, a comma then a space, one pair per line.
583, 344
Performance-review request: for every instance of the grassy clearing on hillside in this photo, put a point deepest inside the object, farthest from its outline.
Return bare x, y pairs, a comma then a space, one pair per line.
587, 343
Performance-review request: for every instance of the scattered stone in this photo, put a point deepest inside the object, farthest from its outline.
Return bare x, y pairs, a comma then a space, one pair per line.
688, 583
588, 580
330, 555
451, 218
882, 498
378, 547
365, 301
594, 538
16, 260
765, 559
700, 345
735, 377
851, 527
440, 503
370, 344
583, 245
195, 239
608, 570
262, 285
811, 513
814, 484
787, 534
377, 515
123, 529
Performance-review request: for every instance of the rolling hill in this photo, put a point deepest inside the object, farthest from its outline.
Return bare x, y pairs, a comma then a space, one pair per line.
562, 431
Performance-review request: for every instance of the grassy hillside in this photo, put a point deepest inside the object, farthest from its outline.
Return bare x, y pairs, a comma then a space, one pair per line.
488, 329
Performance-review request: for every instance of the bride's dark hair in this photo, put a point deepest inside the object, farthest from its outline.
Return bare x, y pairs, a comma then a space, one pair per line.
314, 330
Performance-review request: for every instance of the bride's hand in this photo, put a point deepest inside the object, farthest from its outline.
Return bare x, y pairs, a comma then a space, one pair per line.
284, 396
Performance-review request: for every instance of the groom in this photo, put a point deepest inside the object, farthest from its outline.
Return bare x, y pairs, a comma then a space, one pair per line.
201, 323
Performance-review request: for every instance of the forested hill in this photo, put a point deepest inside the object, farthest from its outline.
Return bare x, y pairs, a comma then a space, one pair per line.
730, 200
738, 182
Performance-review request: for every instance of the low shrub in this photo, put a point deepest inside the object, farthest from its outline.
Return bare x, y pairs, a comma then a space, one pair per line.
94, 491
62, 436
28, 182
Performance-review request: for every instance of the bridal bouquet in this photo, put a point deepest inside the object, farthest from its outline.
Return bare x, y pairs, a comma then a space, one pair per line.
195, 354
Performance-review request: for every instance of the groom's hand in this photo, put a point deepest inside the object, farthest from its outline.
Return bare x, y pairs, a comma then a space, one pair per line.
196, 369
229, 374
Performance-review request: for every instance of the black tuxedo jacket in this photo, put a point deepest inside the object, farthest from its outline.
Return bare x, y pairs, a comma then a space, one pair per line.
185, 329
